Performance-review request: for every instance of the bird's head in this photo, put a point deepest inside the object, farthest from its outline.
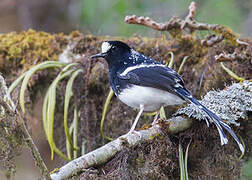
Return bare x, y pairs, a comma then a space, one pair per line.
113, 51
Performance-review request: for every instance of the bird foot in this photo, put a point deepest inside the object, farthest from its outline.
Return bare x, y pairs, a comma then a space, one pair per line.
135, 132
155, 122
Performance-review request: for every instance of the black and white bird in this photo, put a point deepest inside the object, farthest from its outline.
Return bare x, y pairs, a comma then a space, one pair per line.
145, 84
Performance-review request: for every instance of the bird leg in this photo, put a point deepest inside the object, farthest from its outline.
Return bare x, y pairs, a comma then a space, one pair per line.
155, 119
137, 118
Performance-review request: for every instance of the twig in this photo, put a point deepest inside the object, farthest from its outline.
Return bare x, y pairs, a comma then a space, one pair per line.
176, 26
210, 41
192, 11
106, 152
173, 24
239, 41
225, 57
146, 21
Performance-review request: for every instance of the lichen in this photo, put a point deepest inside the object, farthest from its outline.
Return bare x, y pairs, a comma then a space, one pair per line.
230, 104
10, 136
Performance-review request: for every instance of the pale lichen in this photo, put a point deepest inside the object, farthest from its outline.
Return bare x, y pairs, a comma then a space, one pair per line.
230, 104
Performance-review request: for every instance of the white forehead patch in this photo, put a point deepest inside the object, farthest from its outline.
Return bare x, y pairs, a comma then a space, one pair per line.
105, 47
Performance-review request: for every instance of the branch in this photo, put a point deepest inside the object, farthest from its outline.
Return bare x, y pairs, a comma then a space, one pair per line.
192, 11
240, 52
211, 40
106, 152
176, 26
11, 115
148, 22
226, 57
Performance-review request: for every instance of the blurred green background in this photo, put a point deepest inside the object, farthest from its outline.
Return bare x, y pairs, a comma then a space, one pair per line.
106, 17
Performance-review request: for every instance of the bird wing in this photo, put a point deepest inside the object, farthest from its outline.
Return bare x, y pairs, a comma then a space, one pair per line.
152, 75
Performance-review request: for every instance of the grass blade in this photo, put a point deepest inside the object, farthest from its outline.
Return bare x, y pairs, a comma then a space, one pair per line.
51, 108
44, 111
186, 160
29, 73
182, 64
75, 132
68, 95
105, 110
181, 163
16, 82
231, 73
68, 146
172, 60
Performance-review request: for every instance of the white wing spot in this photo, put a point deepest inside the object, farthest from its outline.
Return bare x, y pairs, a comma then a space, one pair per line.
177, 85
105, 47
200, 106
174, 72
125, 72
177, 80
134, 54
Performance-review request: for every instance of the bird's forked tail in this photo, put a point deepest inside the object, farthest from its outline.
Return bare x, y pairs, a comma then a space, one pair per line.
216, 120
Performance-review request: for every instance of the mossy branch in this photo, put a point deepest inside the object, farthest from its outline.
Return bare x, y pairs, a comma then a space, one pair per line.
13, 115
106, 152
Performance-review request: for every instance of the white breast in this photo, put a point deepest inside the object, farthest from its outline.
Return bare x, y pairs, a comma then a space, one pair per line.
151, 98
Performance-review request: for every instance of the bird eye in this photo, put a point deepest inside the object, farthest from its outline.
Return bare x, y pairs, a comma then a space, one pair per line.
113, 48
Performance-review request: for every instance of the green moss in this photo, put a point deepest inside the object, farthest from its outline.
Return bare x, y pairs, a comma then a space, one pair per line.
28, 48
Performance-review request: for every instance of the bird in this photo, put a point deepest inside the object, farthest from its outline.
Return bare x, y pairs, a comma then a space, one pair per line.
146, 84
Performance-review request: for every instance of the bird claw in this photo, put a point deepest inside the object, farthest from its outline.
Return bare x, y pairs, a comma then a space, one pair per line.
155, 122
135, 132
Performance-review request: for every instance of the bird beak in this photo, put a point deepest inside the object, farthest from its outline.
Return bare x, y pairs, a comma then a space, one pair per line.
99, 55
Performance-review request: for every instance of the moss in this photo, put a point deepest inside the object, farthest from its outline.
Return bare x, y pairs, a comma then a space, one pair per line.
11, 144
227, 33
20, 50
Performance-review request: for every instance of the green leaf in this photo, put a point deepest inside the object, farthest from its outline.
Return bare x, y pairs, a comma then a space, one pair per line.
29, 73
